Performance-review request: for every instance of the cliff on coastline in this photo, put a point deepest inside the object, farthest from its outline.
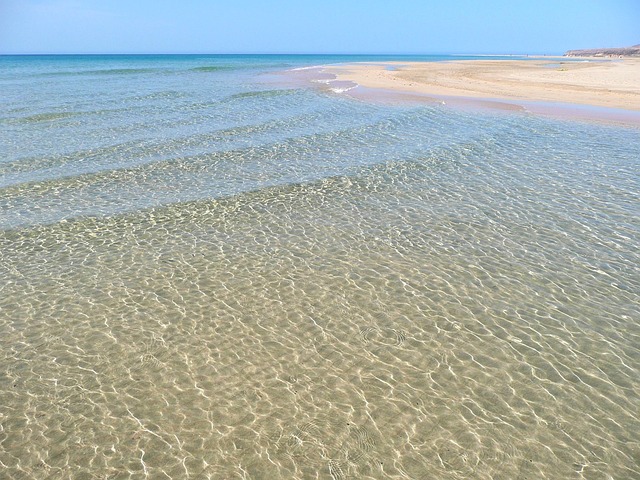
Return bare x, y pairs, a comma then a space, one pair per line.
606, 52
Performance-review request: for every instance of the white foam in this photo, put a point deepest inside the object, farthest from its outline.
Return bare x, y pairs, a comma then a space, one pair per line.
307, 68
342, 89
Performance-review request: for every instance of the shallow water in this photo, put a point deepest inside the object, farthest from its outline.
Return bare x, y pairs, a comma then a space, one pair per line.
209, 276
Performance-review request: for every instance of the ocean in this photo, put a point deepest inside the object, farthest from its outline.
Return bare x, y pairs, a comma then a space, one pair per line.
210, 269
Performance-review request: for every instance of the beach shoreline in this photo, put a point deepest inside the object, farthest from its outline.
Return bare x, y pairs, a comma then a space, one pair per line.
608, 90
238, 266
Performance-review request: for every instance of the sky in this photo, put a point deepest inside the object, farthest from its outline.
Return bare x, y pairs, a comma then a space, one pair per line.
322, 26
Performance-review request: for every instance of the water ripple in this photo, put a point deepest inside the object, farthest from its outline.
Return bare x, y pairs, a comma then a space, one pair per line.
403, 293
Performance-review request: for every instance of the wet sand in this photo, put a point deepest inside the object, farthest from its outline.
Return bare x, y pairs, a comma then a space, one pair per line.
610, 84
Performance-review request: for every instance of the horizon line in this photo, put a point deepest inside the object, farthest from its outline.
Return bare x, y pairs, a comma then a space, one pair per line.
278, 53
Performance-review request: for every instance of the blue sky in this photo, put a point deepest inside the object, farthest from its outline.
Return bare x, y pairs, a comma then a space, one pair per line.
327, 26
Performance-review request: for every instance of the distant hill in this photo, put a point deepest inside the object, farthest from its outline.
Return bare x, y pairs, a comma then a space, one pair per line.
606, 52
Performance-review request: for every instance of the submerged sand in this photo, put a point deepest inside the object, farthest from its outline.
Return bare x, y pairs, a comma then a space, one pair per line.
612, 84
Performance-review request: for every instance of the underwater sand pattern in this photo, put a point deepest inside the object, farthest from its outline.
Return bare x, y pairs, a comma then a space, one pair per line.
410, 293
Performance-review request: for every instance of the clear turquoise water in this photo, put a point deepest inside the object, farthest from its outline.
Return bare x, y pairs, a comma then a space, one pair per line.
209, 273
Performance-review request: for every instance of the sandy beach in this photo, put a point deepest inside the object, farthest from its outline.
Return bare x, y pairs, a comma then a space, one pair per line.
612, 84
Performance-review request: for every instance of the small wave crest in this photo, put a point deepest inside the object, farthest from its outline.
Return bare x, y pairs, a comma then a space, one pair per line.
212, 68
312, 67
44, 117
263, 94
342, 89
336, 86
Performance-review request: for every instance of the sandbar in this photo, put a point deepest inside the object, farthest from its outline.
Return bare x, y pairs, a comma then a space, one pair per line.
600, 83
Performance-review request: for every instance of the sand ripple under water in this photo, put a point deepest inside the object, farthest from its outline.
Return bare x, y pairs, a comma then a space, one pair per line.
457, 309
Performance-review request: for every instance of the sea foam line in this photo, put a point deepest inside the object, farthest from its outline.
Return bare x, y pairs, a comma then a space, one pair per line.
342, 89
312, 67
